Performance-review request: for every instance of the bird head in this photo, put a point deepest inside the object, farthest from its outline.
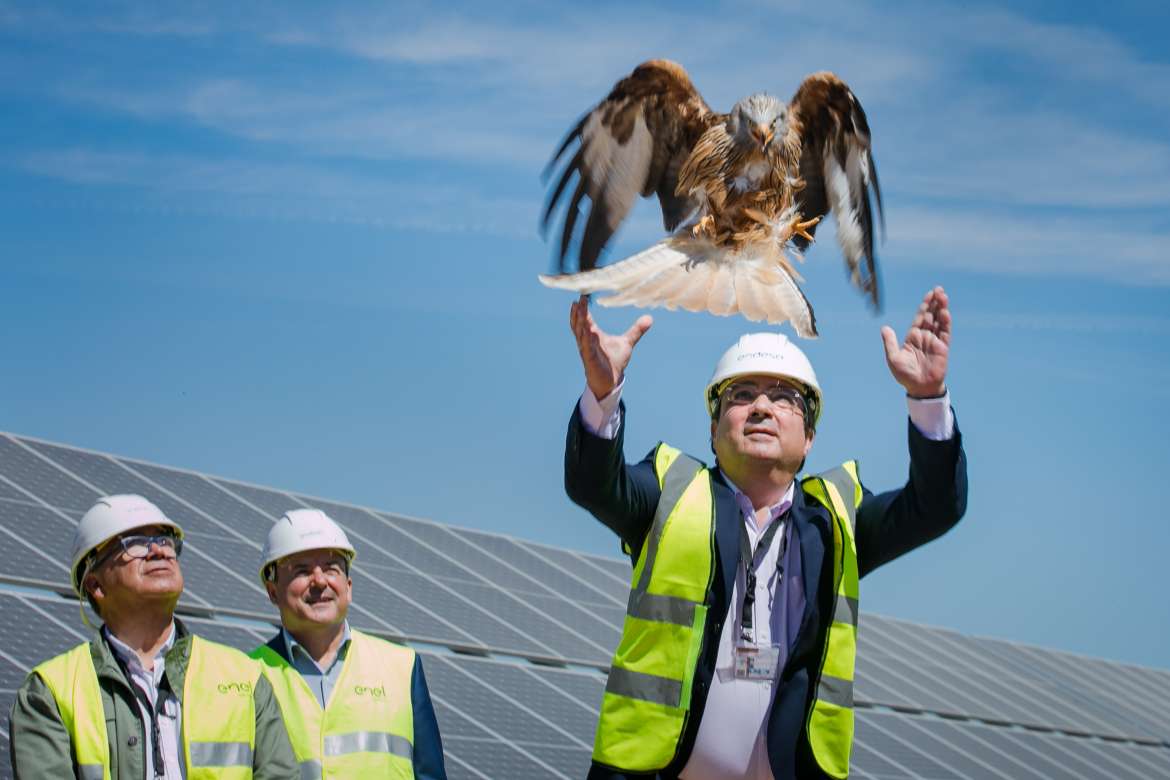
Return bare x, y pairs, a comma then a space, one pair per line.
756, 120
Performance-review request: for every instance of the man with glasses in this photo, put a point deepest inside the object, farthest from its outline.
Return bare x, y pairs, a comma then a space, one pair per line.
355, 705
145, 697
737, 652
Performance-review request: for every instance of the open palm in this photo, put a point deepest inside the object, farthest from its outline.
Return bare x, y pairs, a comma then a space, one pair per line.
920, 363
603, 355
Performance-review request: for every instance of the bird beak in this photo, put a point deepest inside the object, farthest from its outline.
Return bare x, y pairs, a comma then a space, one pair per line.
763, 134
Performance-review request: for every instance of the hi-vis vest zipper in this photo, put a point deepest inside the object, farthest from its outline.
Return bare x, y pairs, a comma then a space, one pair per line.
648, 694
219, 711
367, 727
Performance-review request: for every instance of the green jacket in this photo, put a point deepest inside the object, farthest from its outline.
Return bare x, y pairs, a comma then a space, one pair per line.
40, 745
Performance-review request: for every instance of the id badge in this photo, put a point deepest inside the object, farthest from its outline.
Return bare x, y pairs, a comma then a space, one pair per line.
756, 663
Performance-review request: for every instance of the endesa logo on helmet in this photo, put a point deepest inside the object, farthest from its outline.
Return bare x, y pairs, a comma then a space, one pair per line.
368, 690
766, 355
235, 687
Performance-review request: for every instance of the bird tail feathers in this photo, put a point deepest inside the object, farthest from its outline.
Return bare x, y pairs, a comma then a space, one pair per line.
682, 272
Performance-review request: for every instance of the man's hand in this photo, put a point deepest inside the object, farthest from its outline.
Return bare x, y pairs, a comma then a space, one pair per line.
604, 356
920, 364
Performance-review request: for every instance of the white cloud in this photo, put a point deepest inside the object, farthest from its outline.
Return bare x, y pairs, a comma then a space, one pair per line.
1087, 322
245, 187
491, 94
1092, 245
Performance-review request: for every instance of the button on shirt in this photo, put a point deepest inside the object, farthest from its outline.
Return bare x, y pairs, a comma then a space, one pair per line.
321, 681
150, 698
732, 740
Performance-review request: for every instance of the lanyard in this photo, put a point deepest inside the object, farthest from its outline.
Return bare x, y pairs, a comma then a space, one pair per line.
748, 557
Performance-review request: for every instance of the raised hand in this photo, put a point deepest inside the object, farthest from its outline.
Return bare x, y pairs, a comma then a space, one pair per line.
603, 355
920, 364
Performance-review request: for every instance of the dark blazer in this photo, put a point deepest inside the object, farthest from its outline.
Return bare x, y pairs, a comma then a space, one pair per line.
624, 498
427, 745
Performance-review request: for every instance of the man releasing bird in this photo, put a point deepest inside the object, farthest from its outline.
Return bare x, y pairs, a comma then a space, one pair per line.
736, 191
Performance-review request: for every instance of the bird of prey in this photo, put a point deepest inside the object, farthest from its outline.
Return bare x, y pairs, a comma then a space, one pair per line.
739, 192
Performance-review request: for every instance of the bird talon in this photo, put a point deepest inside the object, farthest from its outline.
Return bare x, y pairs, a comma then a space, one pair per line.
704, 227
799, 228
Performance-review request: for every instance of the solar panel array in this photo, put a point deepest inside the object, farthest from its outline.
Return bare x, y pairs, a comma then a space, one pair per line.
515, 636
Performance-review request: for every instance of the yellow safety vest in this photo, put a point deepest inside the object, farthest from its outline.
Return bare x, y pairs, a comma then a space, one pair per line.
648, 693
367, 726
219, 713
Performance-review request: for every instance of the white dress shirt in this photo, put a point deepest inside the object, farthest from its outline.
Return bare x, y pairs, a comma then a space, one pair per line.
732, 742
169, 718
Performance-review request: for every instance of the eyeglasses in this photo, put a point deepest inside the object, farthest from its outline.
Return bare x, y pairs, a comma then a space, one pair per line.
785, 398
138, 546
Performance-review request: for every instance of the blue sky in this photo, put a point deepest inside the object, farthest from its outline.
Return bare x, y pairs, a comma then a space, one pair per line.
297, 245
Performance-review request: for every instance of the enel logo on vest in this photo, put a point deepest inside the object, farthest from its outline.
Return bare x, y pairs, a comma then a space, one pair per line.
238, 687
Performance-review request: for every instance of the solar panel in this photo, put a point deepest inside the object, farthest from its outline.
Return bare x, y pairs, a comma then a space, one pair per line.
975, 765
42, 479
1080, 757
197, 491
570, 761
536, 567
543, 629
966, 739
615, 590
29, 648
242, 638
544, 621
587, 688
495, 759
965, 691
379, 606
271, 503
617, 568
9, 493
866, 762
467, 555
399, 546
548, 702
1157, 759
587, 623
883, 734
493, 712
33, 540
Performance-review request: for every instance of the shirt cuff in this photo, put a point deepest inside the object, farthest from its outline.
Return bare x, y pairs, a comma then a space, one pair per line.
933, 416
602, 417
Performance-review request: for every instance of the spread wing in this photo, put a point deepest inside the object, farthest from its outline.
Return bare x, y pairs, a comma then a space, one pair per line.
633, 143
836, 164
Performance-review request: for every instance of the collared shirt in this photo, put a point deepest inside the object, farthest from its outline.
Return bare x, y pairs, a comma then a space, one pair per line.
154, 698
732, 742
321, 681
732, 739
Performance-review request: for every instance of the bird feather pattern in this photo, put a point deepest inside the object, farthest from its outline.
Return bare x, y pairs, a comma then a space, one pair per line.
684, 272
737, 191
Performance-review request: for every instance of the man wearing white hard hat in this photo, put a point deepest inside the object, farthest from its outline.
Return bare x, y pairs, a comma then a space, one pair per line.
737, 653
144, 698
355, 706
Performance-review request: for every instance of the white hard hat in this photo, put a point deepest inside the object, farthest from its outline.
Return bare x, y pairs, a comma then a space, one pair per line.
300, 530
109, 517
771, 354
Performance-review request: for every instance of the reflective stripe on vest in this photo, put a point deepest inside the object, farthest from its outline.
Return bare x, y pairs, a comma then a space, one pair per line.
219, 720
219, 712
830, 721
648, 693
367, 727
